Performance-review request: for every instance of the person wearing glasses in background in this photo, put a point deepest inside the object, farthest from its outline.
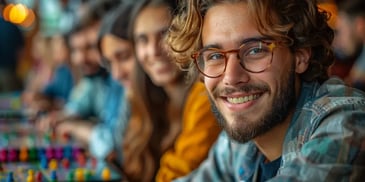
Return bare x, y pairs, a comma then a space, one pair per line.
264, 65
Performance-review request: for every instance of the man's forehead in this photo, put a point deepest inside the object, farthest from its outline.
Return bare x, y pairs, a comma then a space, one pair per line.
228, 23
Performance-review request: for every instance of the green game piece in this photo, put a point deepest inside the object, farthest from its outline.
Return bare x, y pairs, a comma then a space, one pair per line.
70, 176
32, 154
88, 175
47, 138
31, 140
6, 139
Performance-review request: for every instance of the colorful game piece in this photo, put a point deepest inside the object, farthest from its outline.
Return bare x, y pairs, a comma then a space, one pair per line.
53, 164
30, 177
24, 150
70, 176
32, 152
44, 162
3, 155
12, 155
50, 153
47, 138
23, 154
10, 177
54, 176
81, 159
58, 153
79, 174
67, 152
65, 163
87, 175
75, 152
39, 176
41, 153
106, 174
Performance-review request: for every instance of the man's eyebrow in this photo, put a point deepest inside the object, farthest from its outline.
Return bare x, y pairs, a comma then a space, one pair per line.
253, 39
244, 41
209, 46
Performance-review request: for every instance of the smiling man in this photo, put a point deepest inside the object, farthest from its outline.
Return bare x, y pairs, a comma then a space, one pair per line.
264, 64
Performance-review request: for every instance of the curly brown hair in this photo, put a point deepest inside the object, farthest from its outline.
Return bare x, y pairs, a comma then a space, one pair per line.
297, 23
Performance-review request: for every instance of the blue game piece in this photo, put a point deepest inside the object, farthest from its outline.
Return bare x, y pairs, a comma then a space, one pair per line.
54, 176
10, 177
67, 152
41, 153
44, 162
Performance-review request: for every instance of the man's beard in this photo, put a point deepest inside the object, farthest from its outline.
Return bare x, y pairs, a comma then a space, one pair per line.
244, 130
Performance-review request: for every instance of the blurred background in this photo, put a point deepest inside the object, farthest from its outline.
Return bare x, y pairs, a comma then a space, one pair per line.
25, 27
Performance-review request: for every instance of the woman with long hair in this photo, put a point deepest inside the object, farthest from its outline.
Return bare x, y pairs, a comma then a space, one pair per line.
171, 128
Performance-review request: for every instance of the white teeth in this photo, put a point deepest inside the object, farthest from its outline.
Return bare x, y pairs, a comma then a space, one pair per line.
240, 100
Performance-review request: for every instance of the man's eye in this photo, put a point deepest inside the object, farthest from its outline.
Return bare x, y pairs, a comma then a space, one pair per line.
255, 53
214, 56
255, 50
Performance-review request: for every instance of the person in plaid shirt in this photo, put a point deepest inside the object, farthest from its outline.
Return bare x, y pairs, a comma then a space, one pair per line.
264, 65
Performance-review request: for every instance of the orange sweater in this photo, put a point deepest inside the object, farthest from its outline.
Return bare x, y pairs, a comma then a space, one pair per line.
199, 132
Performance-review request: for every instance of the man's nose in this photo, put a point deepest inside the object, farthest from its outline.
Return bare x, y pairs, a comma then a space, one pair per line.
235, 74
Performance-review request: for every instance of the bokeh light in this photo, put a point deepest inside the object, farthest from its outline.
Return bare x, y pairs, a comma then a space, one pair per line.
6, 11
29, 20
19, 14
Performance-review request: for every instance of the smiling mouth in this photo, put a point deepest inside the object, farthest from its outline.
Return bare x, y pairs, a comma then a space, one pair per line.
241, 100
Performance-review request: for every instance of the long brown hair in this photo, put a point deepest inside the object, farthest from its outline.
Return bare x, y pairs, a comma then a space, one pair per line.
298, 23
149, 123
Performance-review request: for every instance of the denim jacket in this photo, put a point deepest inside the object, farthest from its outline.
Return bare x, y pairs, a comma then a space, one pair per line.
106, 136
324, 142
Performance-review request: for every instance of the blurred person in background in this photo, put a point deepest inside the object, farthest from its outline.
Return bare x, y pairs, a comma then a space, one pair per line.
86, 106
118, 58
41, 70
350, 39
171, 130
11, 50
342, 64
64, 75
52, 79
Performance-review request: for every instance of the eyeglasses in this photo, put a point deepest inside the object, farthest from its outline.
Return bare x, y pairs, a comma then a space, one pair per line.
255, 56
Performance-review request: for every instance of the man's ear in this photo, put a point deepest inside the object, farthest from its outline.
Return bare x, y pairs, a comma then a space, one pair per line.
302, 59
